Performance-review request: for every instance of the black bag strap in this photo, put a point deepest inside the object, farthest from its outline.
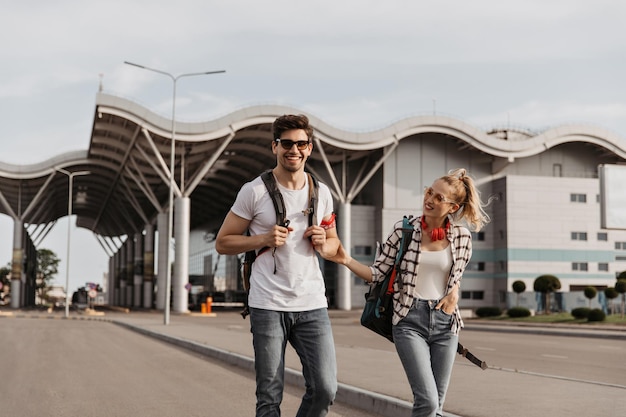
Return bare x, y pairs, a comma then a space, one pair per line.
279, 202
313, 197
276, 196
407, 233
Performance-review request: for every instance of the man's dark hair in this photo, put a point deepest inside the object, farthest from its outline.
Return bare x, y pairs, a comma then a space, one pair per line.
290, 122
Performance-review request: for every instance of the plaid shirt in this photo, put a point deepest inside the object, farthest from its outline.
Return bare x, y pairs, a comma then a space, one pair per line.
460, 240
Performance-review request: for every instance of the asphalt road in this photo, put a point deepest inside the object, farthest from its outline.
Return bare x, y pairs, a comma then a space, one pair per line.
591, 360
96, 369
530, 374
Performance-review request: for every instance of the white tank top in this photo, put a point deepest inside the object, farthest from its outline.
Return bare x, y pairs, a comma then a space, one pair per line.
433, 273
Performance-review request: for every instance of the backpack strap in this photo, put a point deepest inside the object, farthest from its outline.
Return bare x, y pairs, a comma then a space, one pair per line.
407, 233
313, 198
276, 196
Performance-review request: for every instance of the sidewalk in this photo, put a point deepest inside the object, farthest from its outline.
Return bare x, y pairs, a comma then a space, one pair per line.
371, 376
360, 353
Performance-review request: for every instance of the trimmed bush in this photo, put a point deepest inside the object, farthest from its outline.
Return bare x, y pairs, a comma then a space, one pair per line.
596, 315
488, 312
518, 312
581, 312
546, 284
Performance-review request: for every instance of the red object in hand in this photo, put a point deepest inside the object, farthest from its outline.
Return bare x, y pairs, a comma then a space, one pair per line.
330, 223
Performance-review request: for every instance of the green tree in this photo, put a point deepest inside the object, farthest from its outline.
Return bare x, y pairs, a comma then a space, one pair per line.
620, 287
547, 284
47, 268
610, 294
519, 287
590, 293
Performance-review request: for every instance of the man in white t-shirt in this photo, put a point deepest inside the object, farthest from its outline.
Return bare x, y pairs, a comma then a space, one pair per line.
287, 297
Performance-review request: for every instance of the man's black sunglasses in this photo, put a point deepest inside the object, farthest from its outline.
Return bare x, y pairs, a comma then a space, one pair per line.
288, 144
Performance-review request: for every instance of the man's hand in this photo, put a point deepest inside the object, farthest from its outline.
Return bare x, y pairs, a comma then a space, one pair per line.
325, 241
316, 234
277, 236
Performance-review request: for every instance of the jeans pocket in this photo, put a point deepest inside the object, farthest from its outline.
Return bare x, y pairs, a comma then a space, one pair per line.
443, 319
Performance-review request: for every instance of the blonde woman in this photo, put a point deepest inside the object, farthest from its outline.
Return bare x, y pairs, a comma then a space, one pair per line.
426, 319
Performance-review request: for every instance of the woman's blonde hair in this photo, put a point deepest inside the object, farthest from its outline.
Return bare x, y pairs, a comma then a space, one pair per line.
465, 193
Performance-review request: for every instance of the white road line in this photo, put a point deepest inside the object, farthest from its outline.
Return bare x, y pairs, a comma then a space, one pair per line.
545, 355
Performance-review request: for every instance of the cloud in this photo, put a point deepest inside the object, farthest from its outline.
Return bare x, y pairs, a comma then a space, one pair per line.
358, 65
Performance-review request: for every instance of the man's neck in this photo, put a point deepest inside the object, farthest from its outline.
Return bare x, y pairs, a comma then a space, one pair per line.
290, 180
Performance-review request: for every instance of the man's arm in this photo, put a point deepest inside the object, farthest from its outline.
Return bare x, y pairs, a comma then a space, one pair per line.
231, 239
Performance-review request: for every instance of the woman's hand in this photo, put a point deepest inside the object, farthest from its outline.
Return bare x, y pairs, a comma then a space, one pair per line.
449, 302
340, 257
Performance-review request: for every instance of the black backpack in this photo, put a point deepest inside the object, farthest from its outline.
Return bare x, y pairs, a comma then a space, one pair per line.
281, 220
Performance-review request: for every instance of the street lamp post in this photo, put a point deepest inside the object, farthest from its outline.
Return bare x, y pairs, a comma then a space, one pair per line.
70, 176
170, 219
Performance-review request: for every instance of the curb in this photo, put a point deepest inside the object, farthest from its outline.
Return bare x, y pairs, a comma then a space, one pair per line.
380, 404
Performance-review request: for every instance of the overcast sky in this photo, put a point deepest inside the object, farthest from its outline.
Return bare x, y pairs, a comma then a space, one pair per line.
357, 64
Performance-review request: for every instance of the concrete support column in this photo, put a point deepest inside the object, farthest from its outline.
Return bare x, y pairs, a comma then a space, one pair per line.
117, 294
123, 274
148, 267
138, 270
16, 264
130, 257
111, 282
182, 211
344, 276
163, 261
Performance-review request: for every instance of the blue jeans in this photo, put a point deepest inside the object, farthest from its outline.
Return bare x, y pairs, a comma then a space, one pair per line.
426, 347
310, 333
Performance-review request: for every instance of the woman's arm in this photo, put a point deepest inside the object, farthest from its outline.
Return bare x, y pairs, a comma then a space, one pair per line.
342, 257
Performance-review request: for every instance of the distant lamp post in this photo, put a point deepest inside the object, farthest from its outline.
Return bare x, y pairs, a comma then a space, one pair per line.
170, 220
70, 176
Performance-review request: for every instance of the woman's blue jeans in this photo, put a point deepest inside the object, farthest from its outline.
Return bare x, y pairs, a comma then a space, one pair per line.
427, 348
310, 334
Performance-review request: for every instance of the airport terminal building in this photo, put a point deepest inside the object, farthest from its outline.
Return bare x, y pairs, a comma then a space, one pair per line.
543, 185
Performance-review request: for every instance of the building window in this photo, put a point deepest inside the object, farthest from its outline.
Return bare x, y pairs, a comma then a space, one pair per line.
472, 295
478, 236
578, 198
580, 266
603, 236
557, 170
603, 266
476, 266
579, 235
620, 245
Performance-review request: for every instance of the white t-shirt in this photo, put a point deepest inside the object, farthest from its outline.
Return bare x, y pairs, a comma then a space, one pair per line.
434, 269
298, 284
